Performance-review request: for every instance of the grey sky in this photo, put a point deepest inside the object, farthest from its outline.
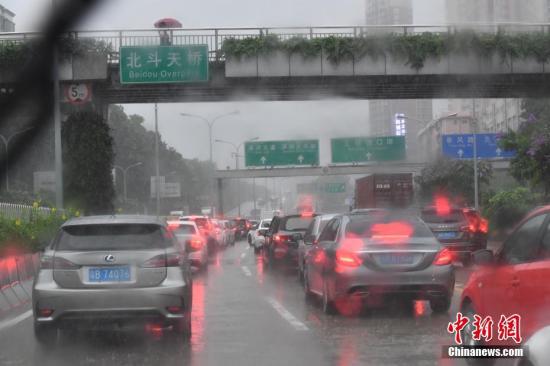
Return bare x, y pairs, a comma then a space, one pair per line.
267, 120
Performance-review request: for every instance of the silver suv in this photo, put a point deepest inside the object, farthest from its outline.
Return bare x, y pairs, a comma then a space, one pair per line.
105, 272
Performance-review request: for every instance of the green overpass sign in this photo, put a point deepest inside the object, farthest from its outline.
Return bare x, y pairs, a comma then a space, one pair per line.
281, 153
163, 64
365, 149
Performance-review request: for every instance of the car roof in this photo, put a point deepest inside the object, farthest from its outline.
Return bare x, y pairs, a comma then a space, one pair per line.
182, 222
114, 219
327, 216
192, 217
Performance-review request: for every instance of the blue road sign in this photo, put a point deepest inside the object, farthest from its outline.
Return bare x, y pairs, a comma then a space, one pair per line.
461, 146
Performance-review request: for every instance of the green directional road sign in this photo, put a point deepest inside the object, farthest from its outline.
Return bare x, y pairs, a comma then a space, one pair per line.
335, 187
281, 153
163, 64
365, 149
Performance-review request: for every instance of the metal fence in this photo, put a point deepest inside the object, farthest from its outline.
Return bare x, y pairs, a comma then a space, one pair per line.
214, 37
23, 212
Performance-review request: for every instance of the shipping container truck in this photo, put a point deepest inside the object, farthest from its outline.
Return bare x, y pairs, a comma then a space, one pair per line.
384, 191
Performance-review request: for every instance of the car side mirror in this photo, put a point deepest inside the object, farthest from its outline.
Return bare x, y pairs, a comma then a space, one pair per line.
297, 237
483, 257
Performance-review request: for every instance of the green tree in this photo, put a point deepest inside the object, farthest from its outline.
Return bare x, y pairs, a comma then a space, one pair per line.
88, 160
531, 165
454, 178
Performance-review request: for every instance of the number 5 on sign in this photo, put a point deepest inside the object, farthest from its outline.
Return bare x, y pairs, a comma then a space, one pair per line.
78, 93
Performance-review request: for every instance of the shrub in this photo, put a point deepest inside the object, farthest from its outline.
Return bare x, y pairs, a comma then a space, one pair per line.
506, 208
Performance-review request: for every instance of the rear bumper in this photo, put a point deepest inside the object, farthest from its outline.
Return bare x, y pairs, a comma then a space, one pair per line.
198, 258
432, 282
283, 254
114, 304
258, 241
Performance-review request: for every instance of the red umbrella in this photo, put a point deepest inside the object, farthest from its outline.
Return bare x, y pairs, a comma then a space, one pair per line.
168, 23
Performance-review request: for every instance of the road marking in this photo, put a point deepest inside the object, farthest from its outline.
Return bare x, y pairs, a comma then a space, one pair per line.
298, 325
18, 319
246, 271
243, 255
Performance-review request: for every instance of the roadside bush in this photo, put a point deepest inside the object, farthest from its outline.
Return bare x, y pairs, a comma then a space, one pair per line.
506, 208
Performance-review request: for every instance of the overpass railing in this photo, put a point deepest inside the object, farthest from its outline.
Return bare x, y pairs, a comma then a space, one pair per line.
214, 37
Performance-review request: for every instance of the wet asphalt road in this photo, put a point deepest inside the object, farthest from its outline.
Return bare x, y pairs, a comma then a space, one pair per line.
246, 315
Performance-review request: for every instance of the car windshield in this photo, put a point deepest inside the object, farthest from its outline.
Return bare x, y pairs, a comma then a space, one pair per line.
265, 224
111, 237
390, 227
295, 223
437, 217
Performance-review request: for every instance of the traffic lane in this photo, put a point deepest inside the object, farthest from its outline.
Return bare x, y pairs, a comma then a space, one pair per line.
397, 332
233, 322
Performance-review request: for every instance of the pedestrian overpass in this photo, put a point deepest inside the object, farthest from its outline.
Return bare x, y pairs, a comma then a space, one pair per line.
281, 75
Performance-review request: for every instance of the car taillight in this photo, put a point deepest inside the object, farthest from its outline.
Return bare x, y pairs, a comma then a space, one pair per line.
196, 243
347, 259
484, 226
277, 239
471, 228
163, 260
45, 313
49, 262
443, 258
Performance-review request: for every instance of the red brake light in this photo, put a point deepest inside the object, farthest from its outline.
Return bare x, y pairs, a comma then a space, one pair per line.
484, 226
347, 259
196, 243
45, 313
442, 205
277, 238
174, 309
443, 258
307, 214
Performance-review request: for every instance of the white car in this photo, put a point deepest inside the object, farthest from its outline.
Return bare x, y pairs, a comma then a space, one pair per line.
538, 353
191, 241
257, 239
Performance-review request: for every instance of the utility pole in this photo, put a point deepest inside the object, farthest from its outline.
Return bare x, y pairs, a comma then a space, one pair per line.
57, 129
476, 183
157, 162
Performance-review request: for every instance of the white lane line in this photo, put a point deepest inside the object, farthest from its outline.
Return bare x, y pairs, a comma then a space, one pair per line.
18, 319
296, 324
246, 271
243, 255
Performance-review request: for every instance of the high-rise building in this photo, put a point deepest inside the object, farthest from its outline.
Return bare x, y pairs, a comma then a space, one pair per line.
6, 20
496, 11
385, 116
494, 115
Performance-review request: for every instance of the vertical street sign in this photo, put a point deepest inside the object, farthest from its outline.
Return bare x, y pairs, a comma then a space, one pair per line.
281, 153
461, 146
163, 64
366, 149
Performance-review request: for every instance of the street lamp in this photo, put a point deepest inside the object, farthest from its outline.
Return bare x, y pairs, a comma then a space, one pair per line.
6, 142
124, 172
237, 148
236, 153
210, 124
428, 124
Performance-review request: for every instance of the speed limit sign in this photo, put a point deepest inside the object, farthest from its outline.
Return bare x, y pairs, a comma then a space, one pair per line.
78, 93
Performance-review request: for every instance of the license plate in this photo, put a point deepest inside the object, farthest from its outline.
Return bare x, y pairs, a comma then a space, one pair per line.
110, 274
446, 235
395, 259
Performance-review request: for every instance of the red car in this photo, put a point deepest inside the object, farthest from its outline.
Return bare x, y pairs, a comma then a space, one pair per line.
515, 280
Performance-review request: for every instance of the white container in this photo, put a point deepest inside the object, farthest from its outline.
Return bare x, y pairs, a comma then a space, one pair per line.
241, 67
275, 64
305, 66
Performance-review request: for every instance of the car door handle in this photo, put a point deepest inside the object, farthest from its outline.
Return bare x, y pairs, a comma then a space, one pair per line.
515, 282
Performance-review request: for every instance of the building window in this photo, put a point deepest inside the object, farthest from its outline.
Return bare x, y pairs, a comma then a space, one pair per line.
400, 124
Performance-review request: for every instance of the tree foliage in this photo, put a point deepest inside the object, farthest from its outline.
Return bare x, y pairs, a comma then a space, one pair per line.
506, 208
88, 159
532, 143
454, 178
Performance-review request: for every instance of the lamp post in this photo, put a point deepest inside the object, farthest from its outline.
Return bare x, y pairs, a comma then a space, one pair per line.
6, 142
210, 123
237, 156
237, 148
124, 172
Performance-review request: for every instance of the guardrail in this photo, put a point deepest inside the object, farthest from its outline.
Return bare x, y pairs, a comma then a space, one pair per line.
16, 273
23, 212
214, 37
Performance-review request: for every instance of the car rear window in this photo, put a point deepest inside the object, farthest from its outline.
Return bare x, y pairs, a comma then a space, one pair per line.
395, 227
265, 224
432, 216
295, 223
112, 237
322, 224
184, 229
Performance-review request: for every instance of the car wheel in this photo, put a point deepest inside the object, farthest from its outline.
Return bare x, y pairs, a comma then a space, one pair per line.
45, 334
327, 303
441, 304
468, 340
